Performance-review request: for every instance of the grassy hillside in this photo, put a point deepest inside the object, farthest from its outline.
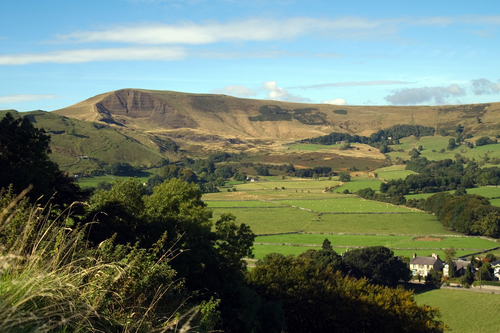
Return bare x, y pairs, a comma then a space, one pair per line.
73, 138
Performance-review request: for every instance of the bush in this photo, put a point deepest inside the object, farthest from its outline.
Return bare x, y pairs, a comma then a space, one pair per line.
433, 278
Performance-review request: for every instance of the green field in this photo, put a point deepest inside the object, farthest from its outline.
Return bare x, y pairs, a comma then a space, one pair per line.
376, 240
269, 220
393, 172
414, 223
291, 184
86, 182
246, 203
465, 311
485, 191
346, 205
357, 184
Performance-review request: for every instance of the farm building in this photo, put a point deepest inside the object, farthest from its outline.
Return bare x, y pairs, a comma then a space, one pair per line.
459, 265
422, 265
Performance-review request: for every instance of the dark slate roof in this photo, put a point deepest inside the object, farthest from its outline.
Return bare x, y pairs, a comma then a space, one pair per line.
461, 264
494, 263
423, 261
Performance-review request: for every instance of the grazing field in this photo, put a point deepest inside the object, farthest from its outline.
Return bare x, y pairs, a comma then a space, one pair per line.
269, 220
393, 172
384, 240
86, 182
346, 205
358, 184
260, 251
465, 311
232, 204
414, 223
273, 195
485, 191
301, 184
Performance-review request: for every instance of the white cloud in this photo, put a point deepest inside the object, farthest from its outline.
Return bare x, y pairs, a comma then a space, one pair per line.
264, 30
239, 91
8, 99
87, 55
335, 101
484, 86
278, 93
433, 95
351, 84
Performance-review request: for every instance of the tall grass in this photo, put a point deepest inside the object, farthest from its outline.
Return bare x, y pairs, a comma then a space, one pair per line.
51, 280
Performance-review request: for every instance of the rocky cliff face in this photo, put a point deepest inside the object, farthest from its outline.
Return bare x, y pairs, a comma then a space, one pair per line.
141, 105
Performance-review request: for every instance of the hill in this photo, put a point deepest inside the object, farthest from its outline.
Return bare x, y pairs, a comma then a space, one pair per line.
143, 126
79, 146
173, 112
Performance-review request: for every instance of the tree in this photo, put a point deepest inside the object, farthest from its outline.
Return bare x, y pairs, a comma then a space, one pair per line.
451, 144
208, 255
345, 177
378, 264
433, 278
414, 153
24, 160
317, 299
449, 255
484, 272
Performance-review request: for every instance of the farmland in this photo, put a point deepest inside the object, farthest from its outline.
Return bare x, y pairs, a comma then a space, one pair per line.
479, 313
308, 215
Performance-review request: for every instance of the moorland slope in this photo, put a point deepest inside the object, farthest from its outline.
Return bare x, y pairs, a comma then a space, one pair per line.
195, 115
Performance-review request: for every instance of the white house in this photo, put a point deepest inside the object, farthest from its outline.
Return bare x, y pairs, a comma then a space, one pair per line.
422, 265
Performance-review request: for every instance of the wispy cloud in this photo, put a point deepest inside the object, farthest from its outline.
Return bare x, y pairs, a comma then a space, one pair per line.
238, 90
484, 86
350, 84
9, 99
87, 55
433, 95
278, 93
335, 101
189, 33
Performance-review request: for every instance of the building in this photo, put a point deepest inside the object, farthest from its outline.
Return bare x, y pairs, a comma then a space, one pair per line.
422, 265
496, 269
459, 265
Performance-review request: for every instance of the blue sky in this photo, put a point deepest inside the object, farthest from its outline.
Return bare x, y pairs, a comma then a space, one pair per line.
57, 53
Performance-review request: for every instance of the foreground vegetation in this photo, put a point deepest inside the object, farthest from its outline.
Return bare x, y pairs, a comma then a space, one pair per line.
140, 259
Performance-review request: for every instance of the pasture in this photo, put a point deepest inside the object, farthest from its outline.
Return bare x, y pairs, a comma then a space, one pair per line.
247, 203
352, 221
389, 241
464, 311
393, 172
291, 185
357, 184
346, 205
414, 223
269, 220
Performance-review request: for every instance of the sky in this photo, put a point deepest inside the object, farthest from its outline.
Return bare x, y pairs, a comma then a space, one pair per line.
56, 53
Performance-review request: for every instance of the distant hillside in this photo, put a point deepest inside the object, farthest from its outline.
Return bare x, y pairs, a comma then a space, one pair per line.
171, 113
84, 146
142, 127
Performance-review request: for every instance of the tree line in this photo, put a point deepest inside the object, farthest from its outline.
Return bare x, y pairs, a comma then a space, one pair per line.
379, 139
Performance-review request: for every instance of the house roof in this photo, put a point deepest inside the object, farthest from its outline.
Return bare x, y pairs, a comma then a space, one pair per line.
461, 264
423, 261
494, 263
